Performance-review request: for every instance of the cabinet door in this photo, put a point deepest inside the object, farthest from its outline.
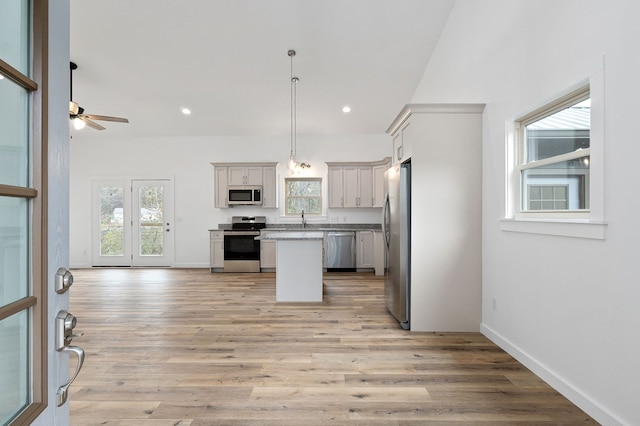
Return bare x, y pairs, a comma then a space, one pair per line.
253, 176
364, 249
397, 147
406, 140
336, 193
378, 185
365, 186
217, 249
237, 176
267, 254
220, 196
269, 187
218, 253
350, 174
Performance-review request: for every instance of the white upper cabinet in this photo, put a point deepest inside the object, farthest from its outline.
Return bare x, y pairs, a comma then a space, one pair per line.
269, 187
378, 184
260, 174
242, 175
402, 143
350, 187
336, 191
354, 185
221, 183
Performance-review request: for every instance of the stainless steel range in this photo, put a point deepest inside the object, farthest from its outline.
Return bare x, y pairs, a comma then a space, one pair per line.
241, 249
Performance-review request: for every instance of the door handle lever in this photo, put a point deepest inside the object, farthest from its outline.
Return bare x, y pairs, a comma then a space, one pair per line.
63, 391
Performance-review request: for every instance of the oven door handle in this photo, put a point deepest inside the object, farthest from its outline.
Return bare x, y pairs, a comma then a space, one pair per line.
241, 233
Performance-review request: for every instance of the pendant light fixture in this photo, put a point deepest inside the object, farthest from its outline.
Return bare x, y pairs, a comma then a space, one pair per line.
293, 163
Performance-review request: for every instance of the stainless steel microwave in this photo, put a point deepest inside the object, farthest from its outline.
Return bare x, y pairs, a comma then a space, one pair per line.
244, 195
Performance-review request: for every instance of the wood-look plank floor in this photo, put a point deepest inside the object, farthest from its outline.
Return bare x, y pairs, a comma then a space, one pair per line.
187, 347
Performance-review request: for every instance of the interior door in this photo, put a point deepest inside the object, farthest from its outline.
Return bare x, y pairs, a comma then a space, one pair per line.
132, 222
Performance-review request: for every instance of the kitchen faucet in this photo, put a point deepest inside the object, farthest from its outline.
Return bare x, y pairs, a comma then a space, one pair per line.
303, 222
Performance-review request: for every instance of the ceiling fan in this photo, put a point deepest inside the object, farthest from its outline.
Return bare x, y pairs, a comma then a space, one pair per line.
76, 112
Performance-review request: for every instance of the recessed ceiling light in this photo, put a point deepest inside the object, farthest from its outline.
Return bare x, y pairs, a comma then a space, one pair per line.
186, 111
1, 76
346, 109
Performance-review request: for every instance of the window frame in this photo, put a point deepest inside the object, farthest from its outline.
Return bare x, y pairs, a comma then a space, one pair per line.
561, 103
286, 195
591, 225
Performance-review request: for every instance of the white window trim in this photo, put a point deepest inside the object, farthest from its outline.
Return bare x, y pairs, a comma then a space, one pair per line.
318, 179
589, 224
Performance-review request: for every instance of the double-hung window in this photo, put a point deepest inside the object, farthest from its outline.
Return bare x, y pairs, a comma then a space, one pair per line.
553, 159
555, 165
303, 194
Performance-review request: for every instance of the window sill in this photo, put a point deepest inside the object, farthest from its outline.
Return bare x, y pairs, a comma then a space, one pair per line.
562, 228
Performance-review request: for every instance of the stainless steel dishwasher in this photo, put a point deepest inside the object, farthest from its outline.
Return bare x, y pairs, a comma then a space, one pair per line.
341, 251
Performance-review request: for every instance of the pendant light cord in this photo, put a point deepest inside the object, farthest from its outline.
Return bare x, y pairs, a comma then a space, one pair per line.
294, 81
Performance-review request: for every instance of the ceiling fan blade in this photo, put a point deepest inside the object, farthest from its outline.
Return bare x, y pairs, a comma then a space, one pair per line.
90, 123
106, 118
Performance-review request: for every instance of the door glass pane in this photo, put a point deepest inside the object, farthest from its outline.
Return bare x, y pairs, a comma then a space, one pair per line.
111, 221
14, 249
14, 137
14, 26
151, 202
14, 365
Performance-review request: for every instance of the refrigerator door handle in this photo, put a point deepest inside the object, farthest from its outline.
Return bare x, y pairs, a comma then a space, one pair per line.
386, 219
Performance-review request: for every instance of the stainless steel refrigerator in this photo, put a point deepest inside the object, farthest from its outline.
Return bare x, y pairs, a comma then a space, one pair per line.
396, 226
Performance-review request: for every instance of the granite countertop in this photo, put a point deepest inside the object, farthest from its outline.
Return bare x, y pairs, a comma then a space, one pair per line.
312, 227
290, 235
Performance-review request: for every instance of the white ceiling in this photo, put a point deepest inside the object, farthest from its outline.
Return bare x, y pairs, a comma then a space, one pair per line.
227, 61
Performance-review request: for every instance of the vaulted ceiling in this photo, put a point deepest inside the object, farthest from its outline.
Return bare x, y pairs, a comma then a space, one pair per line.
227, 61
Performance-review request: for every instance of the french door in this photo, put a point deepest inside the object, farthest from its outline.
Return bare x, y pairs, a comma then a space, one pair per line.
132, 222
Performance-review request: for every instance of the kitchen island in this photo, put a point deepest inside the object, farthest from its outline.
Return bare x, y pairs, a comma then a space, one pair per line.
298, 265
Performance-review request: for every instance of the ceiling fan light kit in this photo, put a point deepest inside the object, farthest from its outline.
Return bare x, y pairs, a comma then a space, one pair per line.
76, 113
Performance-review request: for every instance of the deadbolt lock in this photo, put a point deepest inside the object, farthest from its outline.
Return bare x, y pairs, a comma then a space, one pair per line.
64, 279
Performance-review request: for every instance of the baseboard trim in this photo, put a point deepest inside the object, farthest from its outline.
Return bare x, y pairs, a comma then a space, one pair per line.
573, 394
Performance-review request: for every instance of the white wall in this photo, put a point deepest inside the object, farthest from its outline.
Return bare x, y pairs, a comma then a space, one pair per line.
187, 161
569, 308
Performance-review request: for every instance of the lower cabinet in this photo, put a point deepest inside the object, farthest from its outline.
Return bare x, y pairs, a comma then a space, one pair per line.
267, 254
216, 254
364, 250
369, 252
378, 252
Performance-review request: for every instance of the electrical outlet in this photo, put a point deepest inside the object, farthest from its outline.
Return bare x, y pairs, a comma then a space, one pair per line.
494, 303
